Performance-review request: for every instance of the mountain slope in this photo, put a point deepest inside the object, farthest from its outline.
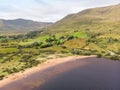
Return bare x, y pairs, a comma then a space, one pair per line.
20, 26
102, 19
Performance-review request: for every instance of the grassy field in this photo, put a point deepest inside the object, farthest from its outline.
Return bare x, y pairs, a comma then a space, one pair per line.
18, 54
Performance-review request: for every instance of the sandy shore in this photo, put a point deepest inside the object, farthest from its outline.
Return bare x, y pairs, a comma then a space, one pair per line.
50, 63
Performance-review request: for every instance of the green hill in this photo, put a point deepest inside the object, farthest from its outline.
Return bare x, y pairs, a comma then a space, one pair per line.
20, 26
101, 19
101, 25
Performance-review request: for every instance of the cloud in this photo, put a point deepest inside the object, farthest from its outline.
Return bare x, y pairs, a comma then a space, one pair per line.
47, 10
43, 2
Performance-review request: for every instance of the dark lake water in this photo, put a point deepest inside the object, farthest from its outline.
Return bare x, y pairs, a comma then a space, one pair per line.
96, 74
100, 74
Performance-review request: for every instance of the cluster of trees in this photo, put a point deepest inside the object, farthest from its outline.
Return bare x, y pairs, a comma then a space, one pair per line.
29, 62
11, 70
95, 52
23, 37
52, 40
115, 57
33, 34
78, 51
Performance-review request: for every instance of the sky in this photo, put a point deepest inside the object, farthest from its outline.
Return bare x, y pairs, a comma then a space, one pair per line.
47, 10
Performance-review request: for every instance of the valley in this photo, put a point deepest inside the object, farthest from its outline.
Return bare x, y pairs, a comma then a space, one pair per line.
90, 32
17, 54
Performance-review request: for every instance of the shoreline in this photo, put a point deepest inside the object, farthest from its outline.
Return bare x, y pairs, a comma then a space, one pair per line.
50, 63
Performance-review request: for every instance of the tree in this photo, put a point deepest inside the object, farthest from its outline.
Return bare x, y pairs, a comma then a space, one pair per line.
1, 77
70, 37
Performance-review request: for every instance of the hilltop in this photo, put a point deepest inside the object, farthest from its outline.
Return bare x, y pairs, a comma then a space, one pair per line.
20, 26
101, 19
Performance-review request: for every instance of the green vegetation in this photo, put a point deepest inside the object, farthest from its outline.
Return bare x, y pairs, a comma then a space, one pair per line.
17, 54
90, 32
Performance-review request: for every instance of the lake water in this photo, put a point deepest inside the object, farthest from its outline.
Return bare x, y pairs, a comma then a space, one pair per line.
94, 74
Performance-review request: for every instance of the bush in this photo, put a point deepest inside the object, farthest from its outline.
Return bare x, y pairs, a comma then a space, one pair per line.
36, 43
75, 52
107, 54
115, 57
86, 53
70, 37
9, 71
46, 45
1, 77
47, 51
99, 55
63, 52
26, 57
64, 47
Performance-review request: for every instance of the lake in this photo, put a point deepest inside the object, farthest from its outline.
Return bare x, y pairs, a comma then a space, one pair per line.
84, 74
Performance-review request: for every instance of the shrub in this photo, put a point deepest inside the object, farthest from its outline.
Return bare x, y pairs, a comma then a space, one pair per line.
75, 52
36, 44
70, 37
99, 55
64, 51
1, 77
46, 45
86, 53
64, 47
26, 57
115, 57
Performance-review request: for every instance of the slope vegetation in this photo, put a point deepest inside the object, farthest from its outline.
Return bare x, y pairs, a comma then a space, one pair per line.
20, 26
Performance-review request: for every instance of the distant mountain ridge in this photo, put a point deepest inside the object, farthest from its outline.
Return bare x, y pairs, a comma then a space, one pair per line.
21, 25
100, 19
